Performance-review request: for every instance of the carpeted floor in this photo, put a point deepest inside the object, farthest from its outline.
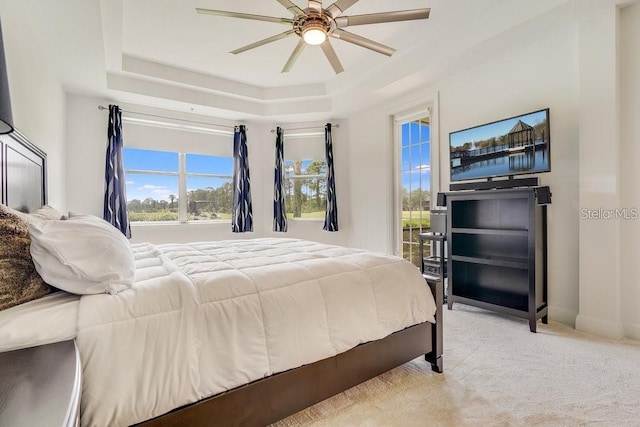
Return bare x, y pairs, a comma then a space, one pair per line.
497, 373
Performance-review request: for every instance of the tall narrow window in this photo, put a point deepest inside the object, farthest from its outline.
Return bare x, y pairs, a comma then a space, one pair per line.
415, 192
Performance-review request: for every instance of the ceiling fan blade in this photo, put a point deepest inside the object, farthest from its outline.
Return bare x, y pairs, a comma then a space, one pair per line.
244, 16
315, 5
337, 8
294, 56
332, 57
376, 18
295, 10
362, 42
263, 42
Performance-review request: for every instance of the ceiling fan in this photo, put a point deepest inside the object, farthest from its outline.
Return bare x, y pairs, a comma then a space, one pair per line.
315, 25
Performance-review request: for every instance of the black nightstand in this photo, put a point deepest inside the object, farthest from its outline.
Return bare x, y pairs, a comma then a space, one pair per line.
40, 386
434, 268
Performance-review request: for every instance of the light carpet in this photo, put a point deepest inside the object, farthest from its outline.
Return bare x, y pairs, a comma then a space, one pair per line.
497, 373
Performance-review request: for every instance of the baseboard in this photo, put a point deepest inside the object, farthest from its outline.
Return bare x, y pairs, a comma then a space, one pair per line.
631, 330
603, 328
562, 315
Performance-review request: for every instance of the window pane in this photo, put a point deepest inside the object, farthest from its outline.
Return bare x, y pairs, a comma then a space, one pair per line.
209, 198
404, 131
199, 163
425, 155
152, 197
425, 168
415, 157
415, 164
414, 133
406, 159
425, 133
150, 160
305, 167
306, 198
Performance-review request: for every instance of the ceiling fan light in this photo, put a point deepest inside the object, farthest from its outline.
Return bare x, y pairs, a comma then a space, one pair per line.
314, 35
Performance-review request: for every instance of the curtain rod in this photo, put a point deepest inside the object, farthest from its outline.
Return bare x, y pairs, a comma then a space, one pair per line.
101, 107
308, 127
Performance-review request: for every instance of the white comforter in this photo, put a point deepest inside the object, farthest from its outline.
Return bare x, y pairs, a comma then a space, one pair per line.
207, 317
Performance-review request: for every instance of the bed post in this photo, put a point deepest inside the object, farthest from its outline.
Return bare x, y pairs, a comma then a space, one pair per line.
435, 355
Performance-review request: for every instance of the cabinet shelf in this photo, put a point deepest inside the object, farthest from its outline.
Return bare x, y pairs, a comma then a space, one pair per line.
498, 261
501, 299
497, 254
496, 231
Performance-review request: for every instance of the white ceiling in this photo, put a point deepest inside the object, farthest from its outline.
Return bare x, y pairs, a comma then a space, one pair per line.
161, 53
176, 35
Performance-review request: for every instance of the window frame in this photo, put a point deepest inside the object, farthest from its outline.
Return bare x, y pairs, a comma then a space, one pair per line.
182, 176
397, 118
292, 178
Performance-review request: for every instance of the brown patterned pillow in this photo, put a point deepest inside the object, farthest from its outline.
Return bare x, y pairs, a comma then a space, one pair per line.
19, 280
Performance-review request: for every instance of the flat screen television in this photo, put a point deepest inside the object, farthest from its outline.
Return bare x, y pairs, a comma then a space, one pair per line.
513, 146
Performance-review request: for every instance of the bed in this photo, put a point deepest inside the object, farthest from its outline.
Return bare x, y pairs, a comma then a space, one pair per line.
302, 321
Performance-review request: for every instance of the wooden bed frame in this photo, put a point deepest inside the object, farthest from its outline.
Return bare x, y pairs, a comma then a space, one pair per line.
23, 186
23, 173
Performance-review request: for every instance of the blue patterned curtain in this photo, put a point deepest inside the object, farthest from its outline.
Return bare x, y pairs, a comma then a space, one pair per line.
242, 215
331, 216
279, 210
115, 195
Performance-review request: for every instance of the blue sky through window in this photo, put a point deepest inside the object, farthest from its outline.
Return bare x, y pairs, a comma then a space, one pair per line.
150, 160
416, 156
159, 187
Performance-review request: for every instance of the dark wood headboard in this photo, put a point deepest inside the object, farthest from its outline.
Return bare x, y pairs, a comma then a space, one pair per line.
23, 173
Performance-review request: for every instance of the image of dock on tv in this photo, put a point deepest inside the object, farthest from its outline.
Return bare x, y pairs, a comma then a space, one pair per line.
513, 146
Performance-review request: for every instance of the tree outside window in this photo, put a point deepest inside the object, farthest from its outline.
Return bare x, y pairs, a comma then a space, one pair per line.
306, 188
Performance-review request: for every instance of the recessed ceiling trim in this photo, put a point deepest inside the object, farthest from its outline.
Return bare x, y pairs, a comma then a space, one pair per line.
161, 90
144, 67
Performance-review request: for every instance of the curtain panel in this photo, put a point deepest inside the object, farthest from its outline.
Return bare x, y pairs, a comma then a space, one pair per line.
115, 194
331, 215
242, 213
279, 208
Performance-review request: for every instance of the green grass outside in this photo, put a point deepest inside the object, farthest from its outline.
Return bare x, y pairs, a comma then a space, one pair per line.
308, 215
409, 218
412, 219
173, 216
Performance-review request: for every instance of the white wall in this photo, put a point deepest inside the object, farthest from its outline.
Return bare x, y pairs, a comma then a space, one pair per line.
600, 174
533, 74
609, 157
37, 97
583, 64
86, 145
87, 139
629, 161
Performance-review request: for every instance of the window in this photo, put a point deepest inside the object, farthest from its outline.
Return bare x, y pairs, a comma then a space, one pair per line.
415, 190
306, 188
170, 186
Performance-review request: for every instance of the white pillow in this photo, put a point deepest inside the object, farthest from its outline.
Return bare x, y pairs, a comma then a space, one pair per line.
46, 212
82, 255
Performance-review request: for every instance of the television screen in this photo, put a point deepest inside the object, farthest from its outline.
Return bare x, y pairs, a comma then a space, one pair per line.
518, 145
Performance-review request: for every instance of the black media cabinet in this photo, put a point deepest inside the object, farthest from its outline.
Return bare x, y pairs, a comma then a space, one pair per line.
497, 251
